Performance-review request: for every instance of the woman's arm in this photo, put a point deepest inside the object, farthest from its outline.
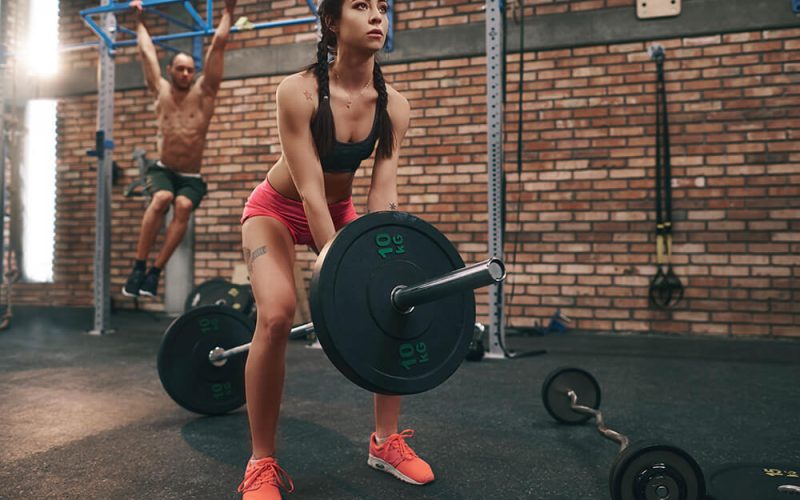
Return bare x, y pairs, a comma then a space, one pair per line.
296, 98
383, 187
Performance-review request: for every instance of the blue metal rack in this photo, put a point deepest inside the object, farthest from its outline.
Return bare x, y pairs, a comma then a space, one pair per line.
199, 28
196, 30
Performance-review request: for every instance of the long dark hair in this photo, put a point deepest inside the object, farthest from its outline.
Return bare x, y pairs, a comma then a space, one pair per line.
323, 128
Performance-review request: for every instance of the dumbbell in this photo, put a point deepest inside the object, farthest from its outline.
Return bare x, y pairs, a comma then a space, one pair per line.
645, 470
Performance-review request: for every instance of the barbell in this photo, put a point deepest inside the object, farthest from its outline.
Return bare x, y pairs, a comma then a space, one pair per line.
392, 305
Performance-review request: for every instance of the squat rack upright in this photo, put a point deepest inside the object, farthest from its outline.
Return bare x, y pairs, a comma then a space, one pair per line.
495, 15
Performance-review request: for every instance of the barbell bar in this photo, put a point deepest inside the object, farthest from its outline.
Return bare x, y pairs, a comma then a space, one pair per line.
405, 298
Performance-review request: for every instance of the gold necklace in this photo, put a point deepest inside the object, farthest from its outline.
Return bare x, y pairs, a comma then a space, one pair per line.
350, 97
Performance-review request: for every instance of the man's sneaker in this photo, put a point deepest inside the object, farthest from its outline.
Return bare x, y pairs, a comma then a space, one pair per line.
149, 286
135, 279
262, 480
398, 459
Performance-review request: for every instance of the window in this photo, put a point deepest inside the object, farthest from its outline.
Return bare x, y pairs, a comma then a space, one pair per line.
38, 165
38, 191
41, 49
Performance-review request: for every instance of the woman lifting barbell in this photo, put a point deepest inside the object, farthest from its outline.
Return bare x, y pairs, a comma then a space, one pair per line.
304, 199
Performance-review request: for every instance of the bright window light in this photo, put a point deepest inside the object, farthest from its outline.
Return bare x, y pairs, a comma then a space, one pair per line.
38, 175
41, 51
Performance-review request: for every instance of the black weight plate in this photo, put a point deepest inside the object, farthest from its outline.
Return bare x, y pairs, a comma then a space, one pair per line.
476, 348
183, 366
241, 298
656, 471
752, 481
554, 394
221, 292
365, 337
197, 297
476, 351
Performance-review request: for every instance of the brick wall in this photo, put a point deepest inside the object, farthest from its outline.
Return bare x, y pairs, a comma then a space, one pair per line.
432, 13
584, 226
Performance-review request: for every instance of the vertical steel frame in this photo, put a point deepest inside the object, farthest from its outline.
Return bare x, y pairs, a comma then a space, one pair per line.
104, 145
495, 14
4, 75
389, 47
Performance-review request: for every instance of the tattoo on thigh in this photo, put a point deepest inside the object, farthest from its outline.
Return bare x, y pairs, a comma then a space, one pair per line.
250, 257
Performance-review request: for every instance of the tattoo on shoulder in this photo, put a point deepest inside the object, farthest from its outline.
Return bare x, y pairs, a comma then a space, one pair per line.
307, 94
251, 256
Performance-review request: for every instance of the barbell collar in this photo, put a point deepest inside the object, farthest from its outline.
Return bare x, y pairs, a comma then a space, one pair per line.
484, 273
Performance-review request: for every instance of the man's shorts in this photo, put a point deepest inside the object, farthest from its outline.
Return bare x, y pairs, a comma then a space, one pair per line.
265, 201
161, 178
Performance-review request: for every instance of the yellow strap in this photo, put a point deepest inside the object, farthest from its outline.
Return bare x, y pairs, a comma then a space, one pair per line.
660, 249
669, 248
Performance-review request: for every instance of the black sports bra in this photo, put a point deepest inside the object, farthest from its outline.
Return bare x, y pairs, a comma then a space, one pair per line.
346, 157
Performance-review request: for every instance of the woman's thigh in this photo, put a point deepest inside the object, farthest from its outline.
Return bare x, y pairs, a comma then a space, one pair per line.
269, 255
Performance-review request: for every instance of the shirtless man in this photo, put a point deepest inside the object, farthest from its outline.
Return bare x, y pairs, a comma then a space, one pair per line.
184, 108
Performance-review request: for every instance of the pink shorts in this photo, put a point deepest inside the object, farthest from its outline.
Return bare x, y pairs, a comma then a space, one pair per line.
266, 202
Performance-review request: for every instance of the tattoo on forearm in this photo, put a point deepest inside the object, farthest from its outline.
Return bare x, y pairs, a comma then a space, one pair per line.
250, 257
307, 94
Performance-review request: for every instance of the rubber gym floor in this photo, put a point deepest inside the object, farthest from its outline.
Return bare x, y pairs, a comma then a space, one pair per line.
86, 417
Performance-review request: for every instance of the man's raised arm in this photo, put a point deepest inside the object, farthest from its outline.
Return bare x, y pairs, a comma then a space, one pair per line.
147, 51
215, 57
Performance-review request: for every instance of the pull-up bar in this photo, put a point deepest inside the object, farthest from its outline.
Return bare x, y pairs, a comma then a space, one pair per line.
201, 27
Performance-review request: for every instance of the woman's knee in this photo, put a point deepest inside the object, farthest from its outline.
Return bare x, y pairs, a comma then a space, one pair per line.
272, 329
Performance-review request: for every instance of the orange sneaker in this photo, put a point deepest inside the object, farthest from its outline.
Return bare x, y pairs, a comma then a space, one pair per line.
262, 479
398, 459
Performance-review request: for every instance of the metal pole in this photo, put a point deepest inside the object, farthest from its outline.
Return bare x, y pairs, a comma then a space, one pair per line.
3, 137
389, 46
495, 13
490, 271
104, 147
218, 355
3, 165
